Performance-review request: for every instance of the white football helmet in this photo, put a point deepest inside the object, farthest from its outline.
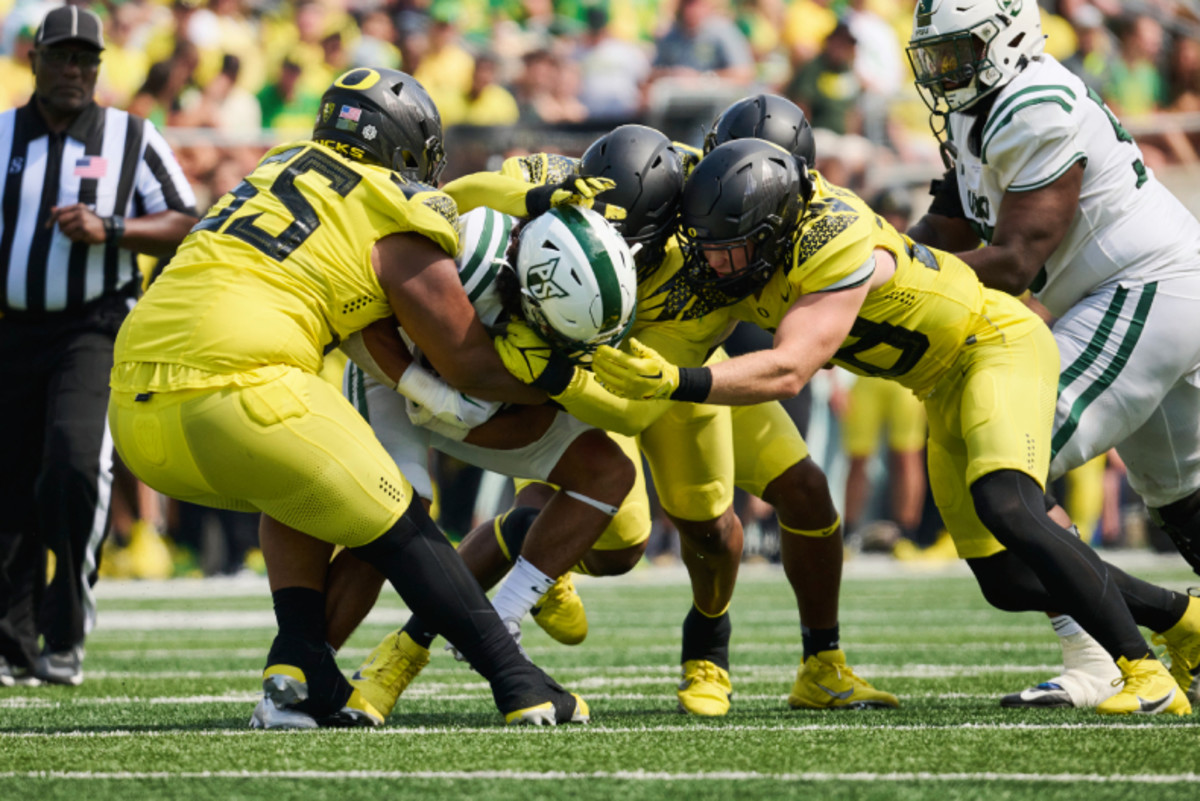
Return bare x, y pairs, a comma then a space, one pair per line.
963, 50
578, 281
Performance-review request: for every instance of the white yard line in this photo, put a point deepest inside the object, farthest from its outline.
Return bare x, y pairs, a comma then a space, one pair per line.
598, 729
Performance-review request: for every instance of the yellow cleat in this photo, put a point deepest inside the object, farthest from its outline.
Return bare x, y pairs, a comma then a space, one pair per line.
387, 672
547, 715
150, 558
1183, 646
825, 681
560, 612
705, 689
1148, 690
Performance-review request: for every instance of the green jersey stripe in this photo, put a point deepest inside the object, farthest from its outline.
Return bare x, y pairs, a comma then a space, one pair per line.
602, 266
1031, 102
1080, 156
1000, 111
1096, 346
1128, 343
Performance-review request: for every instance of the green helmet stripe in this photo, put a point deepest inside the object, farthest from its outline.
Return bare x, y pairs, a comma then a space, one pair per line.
602, 266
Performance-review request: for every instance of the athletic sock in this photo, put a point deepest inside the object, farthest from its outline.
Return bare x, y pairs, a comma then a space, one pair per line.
521, 589
817, 640
706, 637
418, 632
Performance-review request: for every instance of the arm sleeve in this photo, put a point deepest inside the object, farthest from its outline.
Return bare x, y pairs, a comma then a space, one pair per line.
160, 182
1030, 145
491, 189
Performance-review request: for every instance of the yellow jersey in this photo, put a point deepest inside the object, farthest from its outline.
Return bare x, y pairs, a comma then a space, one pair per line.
913, 327
277, 273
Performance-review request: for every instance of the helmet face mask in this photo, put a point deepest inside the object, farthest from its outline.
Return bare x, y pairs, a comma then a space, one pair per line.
385, 117
744, 199
962, 51
578, 283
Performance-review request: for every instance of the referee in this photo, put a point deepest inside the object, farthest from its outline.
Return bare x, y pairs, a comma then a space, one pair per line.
83, 189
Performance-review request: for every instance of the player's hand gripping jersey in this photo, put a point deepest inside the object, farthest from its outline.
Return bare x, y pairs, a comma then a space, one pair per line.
912, 328
277, 274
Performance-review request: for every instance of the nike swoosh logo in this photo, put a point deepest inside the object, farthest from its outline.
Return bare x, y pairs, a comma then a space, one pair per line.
1154, 707
842, 696
654, 377
358, 676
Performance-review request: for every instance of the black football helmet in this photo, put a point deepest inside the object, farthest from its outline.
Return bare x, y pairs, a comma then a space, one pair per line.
746, 195
386, 117
649, 176
769, 117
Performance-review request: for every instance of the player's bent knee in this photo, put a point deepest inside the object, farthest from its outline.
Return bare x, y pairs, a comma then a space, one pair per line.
1010, 504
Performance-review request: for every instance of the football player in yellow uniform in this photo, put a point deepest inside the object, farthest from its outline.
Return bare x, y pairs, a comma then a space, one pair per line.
698, 453
837, 284
216, 398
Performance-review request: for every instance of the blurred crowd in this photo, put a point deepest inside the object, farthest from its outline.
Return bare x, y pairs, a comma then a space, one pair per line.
229, 77
226, 79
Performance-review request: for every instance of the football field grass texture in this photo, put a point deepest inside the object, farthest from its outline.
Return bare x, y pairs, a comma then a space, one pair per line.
172, 673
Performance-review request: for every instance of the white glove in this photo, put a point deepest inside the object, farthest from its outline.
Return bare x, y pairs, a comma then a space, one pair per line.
434, 404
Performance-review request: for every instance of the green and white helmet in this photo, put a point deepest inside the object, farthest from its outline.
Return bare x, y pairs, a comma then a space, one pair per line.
963, 50
578, 281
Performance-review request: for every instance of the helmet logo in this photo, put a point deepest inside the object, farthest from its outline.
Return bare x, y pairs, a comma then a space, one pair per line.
348, 118
369, 132
1010, 6
326, 112
924, 13
360, 79
540, 281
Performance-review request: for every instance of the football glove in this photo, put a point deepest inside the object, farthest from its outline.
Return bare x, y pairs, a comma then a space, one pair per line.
575, 191
643, 374
532, 361
434, 404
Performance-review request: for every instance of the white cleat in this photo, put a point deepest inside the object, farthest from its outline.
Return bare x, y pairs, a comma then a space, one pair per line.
1090, 677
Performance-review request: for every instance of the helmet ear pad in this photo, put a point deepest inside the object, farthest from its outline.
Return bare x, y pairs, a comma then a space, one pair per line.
744, 191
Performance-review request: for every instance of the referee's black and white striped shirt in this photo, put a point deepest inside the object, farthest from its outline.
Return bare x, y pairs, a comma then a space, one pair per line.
108, 159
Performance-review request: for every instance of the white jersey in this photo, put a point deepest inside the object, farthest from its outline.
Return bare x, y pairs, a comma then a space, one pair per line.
1128, 227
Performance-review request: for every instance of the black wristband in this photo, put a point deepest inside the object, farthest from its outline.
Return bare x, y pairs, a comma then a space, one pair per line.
695, 383
114, 229
557, 376
537, 200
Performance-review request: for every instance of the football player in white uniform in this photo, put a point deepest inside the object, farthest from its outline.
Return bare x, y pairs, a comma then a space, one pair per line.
1043, 174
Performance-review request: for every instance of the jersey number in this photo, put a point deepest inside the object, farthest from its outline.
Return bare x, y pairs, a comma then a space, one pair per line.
342, 180
911, 344
1139, 169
